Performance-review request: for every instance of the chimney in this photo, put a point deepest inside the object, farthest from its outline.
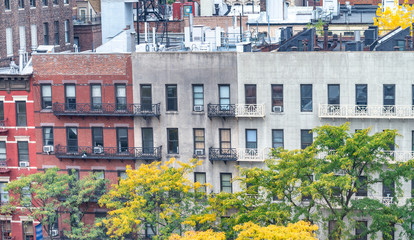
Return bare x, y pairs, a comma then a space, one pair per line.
325, 36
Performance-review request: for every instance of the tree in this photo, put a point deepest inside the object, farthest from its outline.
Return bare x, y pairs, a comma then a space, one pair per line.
297, 231
388, 19
201, 235
320, 183
154, 197
45, 196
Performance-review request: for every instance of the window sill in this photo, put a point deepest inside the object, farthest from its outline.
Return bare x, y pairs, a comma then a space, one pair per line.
20, 9
7, 10
307, 113
67, 44
199, 156
171, 112
172, 155
198, 113
32, 7
46, 110
277, 113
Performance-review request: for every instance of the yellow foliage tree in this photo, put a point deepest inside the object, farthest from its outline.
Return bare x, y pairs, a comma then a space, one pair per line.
388, 18
200, 235
297, 231
156, 197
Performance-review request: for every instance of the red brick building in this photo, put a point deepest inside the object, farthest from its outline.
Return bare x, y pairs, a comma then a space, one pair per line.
17, 145
84, 115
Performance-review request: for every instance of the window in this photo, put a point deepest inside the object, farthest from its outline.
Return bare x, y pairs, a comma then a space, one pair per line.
26, 196
251, 138
225, 183
97, 137
44, 2
388, 190
55, 2
72, 139
147, 141
4, 195
46, 91
391, 234
21, 115
199, 139
331, 229
146, 98
32, 3
361, 95
45, 33
56, 28
198, 98
48, 136
33, 35
225, 141
250, 93
306, 97
389, 94
5, 229
70, 97
21, 3
171, 92
1, 111
22, 38
122, 175
150, 231
277, 98
100, 174
74, 172
201, 178
224, 97
277, 138
360, 227
66, 1
412, 189
96, 97
333, 94
120, 93
67, 29
28, 230
172, 135
306, 138
7, 4
3, 153
9, 42
122, 139
362, 190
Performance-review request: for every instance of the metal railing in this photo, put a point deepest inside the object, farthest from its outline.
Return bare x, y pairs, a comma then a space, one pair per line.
86, 19
125, 153
106, 109
3, 126
222, 154
250, 110
3, 163
387, 201
369, 111
252, 154
221, 110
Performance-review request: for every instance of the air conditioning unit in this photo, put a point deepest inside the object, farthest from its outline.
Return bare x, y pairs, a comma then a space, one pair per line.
98, 150
277, 108
48, 148
199, 152
198, 108
23, 164
55, 232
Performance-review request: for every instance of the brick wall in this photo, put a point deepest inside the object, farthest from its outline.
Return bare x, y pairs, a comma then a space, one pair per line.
217, 21
173, 26
89, 36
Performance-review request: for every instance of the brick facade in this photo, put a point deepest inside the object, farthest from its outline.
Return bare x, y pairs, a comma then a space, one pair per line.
90, 36
83, 70
173, 26
38, 15
214, 21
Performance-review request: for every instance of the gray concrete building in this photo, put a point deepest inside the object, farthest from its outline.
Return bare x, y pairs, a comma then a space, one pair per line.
229, 109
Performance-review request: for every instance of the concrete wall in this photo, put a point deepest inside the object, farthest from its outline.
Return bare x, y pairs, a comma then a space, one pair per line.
116, 15
185, 69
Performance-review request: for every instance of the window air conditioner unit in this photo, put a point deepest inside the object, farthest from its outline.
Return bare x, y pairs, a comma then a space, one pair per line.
199, 152
198, 108
98, 150
277, 108
48, 148
23, 164
55, 232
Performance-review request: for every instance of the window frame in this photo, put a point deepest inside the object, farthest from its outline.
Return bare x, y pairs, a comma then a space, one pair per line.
221, 142
96, 101
302, 142
145, 148
21, 115
195, 141
3, 153
174, 99
4, 195
47, 139
251, 142
146, 101
334, 100
221, 183
33, 3
203, 189
121, 103
224, 106
171, 141
67, 31
250, 95
70, 102
359, 102
306, 99
384, 96
7, 5
46, 37
56, 33
118, 139
276, 98
46, 98
1, 110
388, 189
21, 4
70, 147
363, 190
95, 132
273, 138
198, 98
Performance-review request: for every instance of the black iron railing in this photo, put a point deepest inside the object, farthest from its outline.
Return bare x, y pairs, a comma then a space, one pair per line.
125, 153
3, 126
106, 109
3, 163
222, 154
86, 19
221, 110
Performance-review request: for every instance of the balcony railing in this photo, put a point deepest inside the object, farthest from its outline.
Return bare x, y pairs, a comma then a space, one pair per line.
252, 154
86, 19
236, 110
222, 154
250, 110
124, 153
106, 109
369, 111
387, 201
3, 128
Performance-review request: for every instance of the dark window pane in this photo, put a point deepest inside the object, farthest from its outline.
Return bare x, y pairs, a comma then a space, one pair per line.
72, 139
277, 98
172, 104
306, 138
251, 138
23, 151
389, 94
250, 93
360, 227
277, 139
46, 91
21, 117
172, 135
333, 94
147, 140
225, 182
146, 98
1, 111
97, 137
388, 190
122, 139
306, 97
47, 136
362, 191
361, 94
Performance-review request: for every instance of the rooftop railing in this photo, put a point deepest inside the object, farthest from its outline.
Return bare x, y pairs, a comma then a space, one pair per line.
86, 19
123, 153
366, 111
106, 109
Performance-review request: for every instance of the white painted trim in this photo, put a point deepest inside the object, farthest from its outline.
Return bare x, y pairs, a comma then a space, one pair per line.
73, 167
96, 124
3, 217
22, 138
120, 168
95, 81
98, 168
27, 101
26, 218
120, 81
45, 81
121, 125
18, 127
3, 138
71, 124
47, 124
4, 179
19, 98
2, 98
18, 141
48, 166
69, 81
